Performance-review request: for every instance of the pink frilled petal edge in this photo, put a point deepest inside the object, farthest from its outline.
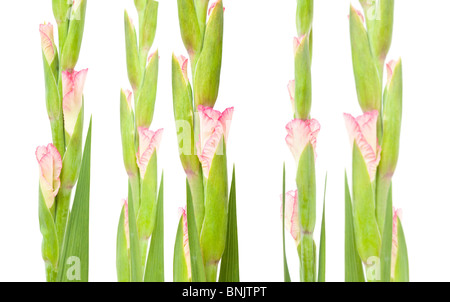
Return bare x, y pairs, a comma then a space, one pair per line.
187, 253
47, 41
213, 126
50, 165
73, 86
291, 219
363, 131
149, 142
300, 133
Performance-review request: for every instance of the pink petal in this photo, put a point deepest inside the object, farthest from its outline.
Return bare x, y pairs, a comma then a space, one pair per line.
149, 142
187, 253
213, 126
126, 222
291, 218
363, 130
183, 61
50, 165
297, 42
291, 89
213, 5
300, 133
129, 96
397, 214
390, 70
47, 41
72, 85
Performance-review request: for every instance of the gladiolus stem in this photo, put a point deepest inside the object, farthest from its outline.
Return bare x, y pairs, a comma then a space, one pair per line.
211, 271
197, 191
62, 213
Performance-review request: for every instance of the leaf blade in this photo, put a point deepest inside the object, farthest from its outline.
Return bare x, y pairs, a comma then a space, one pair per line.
74, 259
322, 247
229, 267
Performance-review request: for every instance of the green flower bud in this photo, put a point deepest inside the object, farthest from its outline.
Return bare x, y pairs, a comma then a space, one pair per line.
367, 79
147, 95
122, 247
189, 27
183, 113
147, 28
380, 20
127, 130
390, 144
71, 49
147, 210
134, 71
201, 8
140, 5
305, 10
306, 186
213, 235
302, 96
207, 70
367, 235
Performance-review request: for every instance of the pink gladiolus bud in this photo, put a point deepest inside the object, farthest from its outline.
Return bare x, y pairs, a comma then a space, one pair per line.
213, 5
297, 42
187, 253
125, 222
397, 214
129, 95
363, 131
149, 142
183, 61
390, 70
291, 219
214, 126
50, 165
47, 41
72, 86
300, 133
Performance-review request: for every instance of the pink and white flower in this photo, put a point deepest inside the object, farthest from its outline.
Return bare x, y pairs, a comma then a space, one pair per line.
50, 165
363, 131
149, 142
291, 218
47, 41
187, 253
300, 134
214, 126
72, 86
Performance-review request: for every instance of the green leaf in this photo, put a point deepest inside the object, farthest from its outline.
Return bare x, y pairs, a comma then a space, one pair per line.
287, 277
74, 259
322, 247
180, 272
368, 81
386, 244
197, 266
154, 272
135, 253
229, 267
353, 266
402, 265
122, 255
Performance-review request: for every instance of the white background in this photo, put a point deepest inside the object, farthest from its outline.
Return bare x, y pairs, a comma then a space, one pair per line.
257, 64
